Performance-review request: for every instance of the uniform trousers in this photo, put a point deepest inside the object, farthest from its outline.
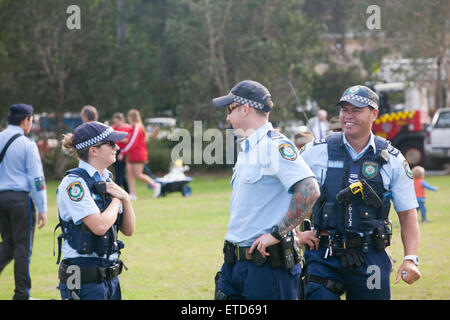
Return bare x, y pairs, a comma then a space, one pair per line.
17, 224
370, 281
246, 281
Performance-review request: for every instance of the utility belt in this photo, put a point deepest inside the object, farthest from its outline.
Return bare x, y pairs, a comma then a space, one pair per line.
379, 238
91, 273
285, 254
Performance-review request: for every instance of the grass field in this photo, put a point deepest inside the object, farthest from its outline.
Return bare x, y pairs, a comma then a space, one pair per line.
177, 247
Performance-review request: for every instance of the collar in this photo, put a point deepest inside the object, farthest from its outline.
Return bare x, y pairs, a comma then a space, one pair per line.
16, 128
253, 139
92, 171
371, 143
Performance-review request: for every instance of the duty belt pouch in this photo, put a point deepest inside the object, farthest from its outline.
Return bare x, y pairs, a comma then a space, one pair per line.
86, 240
378, 238
228, 252
274, 258
388, 232
287, 252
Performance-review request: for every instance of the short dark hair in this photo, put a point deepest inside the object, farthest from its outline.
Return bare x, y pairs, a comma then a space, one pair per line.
90, 112
17, 119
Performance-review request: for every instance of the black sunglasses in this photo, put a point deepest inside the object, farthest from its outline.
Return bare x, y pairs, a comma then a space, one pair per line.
112, 144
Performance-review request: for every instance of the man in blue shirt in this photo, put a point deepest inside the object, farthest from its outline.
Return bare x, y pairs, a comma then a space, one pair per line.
273, 192
350, 218
21, 176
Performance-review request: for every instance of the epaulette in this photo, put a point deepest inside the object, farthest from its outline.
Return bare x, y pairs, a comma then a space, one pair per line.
392, 150
319, 141
274, 135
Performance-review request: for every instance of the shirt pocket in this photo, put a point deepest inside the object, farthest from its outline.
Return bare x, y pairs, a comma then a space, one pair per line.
251, 174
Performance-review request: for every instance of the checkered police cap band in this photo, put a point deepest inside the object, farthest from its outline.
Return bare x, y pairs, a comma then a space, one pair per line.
364, 100
94, 140
251, 103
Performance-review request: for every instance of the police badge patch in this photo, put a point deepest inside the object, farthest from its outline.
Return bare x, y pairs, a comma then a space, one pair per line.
39, 183
370, 169
287, 151
75, 191
408, 169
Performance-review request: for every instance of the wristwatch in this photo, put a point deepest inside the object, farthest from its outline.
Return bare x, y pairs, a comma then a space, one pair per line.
413, 258
276, 233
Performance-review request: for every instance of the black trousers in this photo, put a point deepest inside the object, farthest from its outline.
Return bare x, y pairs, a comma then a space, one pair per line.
17, 224
119, 173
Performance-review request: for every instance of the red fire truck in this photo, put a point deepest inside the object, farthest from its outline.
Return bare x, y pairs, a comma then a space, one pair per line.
402, 119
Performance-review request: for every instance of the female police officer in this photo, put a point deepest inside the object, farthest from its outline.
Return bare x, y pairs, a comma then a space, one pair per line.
92, 209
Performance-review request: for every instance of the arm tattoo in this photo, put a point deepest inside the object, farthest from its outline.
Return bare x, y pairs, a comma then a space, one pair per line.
305, 194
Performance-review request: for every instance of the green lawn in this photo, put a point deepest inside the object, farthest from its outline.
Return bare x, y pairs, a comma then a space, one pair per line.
177, 247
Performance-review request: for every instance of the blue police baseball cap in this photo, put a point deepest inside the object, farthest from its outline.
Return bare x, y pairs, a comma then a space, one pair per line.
247, 92
21, 109
359, 96
91, 133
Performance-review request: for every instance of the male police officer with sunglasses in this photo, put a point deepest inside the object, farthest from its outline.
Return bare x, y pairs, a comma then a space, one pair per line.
22, 184
273, 192
359, 174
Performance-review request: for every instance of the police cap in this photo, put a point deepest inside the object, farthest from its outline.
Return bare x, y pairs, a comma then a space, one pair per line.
247, 92
21, 109
359, 96
93, 132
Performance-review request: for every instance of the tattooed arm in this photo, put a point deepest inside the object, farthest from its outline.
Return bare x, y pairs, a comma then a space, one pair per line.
305, 194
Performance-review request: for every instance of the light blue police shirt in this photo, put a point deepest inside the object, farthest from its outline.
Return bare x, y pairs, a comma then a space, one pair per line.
75, 202
395, 174
264, 172
21, 168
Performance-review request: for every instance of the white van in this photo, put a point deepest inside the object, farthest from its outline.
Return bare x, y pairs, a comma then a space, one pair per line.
437, 141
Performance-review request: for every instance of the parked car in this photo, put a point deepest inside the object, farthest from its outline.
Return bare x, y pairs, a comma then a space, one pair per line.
161, 127
437, 140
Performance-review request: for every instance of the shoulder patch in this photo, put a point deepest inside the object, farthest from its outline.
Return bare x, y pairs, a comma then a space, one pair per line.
407, 169
395, 152
39, 183
287, 151
75, 191
274, 135
319, 141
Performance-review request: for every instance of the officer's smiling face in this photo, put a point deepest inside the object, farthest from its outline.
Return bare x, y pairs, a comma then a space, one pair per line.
356, 122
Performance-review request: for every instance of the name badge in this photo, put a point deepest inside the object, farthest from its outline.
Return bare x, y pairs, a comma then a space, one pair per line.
335, 164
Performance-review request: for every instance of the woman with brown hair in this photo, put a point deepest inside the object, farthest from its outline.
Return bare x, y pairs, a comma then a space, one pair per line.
92, 210
137, 155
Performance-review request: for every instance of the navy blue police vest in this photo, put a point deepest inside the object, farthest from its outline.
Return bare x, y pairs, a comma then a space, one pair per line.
341, 218
80, 237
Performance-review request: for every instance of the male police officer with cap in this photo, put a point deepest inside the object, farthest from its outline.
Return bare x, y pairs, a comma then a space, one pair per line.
21, 176
359, 174
273, 192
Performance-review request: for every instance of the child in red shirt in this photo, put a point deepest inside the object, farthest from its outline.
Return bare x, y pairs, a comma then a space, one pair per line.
420, 185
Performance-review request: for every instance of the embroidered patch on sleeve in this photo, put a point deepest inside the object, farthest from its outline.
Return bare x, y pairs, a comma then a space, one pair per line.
408, 169
75, 191
287, 151
39, 183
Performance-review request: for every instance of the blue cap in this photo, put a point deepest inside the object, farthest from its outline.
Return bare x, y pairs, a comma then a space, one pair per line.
247, 92
359, 96
21, 109
93, 132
